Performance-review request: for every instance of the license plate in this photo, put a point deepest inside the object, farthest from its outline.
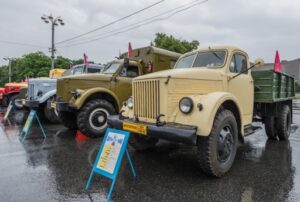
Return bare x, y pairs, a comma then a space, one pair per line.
53, 105
135, 128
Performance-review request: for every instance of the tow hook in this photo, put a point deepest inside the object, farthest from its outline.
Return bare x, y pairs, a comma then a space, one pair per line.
121, 117
158, 122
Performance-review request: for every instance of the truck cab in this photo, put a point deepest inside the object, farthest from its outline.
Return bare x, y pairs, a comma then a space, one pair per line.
207, 100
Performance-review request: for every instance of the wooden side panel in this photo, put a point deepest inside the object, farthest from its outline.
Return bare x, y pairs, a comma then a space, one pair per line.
270, 86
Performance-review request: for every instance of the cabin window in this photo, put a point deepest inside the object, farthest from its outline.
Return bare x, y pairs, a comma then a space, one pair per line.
238, 64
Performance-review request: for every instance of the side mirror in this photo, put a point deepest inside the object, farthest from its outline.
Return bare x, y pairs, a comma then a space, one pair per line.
259, 62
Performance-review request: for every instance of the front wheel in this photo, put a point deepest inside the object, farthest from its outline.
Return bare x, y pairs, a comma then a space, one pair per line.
216, 153
51, 114
92, 118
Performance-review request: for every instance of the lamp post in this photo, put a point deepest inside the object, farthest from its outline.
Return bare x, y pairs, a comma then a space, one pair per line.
54, 22
9, 67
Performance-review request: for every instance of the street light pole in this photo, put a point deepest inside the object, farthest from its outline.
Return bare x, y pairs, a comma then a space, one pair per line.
52, 47
9, 68
54, 22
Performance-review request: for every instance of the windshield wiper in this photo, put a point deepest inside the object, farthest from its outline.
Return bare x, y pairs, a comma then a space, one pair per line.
217, 56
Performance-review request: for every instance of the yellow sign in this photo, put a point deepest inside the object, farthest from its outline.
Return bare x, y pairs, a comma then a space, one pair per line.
110, 153
135, 128
53, 105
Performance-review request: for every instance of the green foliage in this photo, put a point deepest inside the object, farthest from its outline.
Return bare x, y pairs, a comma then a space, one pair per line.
34, 65
172, 44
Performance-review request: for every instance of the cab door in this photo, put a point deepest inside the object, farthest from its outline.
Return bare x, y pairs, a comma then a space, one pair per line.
242, 85
123, 83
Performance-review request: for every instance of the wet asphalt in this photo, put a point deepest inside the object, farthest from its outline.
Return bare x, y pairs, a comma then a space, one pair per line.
57, 169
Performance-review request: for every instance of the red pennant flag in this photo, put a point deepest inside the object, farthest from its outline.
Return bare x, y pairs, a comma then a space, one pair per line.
85, 59
130, 51
277, 63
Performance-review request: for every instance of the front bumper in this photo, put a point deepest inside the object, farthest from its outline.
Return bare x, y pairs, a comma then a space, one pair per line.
32, 103
59, 106
170, 131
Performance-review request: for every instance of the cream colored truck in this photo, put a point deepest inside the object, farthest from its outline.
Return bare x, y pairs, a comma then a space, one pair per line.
209, 99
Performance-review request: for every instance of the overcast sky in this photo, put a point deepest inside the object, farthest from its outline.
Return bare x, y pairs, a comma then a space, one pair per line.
260, 27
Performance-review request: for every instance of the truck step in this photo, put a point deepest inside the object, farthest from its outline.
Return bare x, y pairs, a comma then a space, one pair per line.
250, 129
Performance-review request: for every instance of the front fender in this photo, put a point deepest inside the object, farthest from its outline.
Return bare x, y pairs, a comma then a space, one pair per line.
204, 119
85, 94
48, 95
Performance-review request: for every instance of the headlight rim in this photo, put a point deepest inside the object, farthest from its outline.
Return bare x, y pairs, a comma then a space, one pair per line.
191, 108
129, 104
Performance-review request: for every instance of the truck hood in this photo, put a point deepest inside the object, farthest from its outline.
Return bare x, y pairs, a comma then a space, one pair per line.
43, 80
98, 77
191, 73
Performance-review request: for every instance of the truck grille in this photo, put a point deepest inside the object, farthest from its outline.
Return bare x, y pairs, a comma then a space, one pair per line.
146, 99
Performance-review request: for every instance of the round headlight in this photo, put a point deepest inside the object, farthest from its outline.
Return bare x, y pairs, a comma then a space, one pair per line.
130, 103
186, 105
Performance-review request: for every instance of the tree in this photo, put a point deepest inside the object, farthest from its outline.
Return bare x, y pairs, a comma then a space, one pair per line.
62, 62
34, 65
172, 44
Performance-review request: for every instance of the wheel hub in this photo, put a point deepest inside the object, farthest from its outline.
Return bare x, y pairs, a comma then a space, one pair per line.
98, 118
225, 144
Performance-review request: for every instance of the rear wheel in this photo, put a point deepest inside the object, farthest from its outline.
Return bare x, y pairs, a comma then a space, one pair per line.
92, 118
68, 119
270, 128
216, 153
283, 123
141, 143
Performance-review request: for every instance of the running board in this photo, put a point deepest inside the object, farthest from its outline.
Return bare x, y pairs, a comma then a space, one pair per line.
250, 129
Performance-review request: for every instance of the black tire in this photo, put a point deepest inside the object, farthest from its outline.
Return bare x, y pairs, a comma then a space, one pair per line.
51, 114
283, 123
68, 119
142, 143
215, 157
92, 118
270, 128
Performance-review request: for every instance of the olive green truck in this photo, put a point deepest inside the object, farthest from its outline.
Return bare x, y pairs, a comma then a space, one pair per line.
210, 99
85, 101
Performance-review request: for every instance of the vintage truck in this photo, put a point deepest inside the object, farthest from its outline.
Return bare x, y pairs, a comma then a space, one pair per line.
42, 90
209, 100
85, 101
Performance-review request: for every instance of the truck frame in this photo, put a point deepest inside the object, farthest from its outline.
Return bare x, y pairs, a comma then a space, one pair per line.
210, 100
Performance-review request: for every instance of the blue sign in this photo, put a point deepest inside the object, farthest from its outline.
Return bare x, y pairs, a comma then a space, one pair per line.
110, 156
32, 115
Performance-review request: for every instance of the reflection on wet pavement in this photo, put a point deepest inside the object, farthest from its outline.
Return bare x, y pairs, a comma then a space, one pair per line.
57, 169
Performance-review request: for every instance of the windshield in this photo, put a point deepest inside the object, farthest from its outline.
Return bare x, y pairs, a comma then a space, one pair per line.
202, 59
111, 68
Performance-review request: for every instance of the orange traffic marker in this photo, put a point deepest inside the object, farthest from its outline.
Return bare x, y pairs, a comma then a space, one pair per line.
81, 137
